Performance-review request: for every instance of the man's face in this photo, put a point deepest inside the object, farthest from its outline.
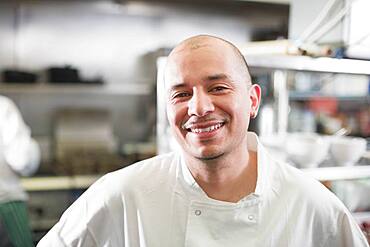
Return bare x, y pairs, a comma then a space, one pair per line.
209, 100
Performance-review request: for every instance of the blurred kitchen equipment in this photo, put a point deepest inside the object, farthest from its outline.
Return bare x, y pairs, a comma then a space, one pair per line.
69, 74
353, 193
266, 120
45, 145
347, 150
139, 150
45, 209
18, 76
66, 74
301, 119
338, 85
306, 150
84, 142
342, 132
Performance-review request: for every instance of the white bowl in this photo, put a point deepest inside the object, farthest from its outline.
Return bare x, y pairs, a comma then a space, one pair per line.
306, 150
346, 150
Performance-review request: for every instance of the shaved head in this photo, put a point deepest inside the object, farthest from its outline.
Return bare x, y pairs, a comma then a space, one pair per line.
201, 41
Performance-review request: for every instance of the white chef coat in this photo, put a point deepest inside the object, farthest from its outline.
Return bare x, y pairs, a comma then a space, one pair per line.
19, 153
157, 202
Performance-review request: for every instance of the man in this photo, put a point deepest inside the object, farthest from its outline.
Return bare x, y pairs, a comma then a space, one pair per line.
222, 189
19, 156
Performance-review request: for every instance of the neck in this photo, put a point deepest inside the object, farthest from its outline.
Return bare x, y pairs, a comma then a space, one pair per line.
226, 178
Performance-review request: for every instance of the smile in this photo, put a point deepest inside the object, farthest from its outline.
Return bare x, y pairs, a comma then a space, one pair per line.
205, 129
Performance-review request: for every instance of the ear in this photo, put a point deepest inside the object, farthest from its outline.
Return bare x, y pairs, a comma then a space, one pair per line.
255, 97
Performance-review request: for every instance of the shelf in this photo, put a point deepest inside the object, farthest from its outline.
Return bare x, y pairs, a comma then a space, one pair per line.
58, 182
84, 181
305, 63
361, 216
338, 172
305, 96
44, 88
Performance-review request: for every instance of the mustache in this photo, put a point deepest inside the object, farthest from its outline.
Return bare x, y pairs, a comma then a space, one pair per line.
199, 120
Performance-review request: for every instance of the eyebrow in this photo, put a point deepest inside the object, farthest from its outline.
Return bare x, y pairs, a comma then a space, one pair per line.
177, 86
214, 77
218, 77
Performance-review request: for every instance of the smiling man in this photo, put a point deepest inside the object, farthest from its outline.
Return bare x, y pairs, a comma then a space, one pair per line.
222, 189
210, 101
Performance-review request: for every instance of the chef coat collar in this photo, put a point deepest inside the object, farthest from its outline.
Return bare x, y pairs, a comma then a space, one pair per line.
262, 169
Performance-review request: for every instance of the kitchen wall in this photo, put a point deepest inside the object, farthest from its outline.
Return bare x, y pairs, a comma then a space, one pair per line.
111, 40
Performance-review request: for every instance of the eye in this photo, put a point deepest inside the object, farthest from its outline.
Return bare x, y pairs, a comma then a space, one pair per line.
180, 95
218, 89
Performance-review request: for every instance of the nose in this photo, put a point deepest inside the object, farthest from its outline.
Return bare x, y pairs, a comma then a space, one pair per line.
200, 104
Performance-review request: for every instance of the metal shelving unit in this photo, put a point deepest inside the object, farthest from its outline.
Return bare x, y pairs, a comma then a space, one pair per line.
305, 63
65, 88
280, 66
58, 182
306, 96
338, 172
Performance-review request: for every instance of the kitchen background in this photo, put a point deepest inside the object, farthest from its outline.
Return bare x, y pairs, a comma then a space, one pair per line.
84, 76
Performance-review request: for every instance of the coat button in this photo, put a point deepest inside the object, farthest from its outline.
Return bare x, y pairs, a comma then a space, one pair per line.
251, 217
198, 212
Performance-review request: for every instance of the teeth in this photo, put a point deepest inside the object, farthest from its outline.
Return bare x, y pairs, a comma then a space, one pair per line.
208, 129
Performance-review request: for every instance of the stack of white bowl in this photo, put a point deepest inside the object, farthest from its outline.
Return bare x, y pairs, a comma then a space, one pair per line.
346, 150
308, 150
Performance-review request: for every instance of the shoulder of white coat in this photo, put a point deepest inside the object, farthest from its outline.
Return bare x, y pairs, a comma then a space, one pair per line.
124, 182
304, 188
314, 200
106, 201
308, 201
146, 173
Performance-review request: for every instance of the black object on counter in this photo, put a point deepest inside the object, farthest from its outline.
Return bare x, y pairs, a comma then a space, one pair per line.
68, 74
17, 76
65, 74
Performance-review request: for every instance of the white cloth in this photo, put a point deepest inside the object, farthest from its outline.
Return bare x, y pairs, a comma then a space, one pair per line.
19, 153
157, 202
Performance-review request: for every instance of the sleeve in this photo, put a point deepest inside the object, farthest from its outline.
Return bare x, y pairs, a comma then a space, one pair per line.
20, 151
51, 240
348, 233
54, 239
87, 222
